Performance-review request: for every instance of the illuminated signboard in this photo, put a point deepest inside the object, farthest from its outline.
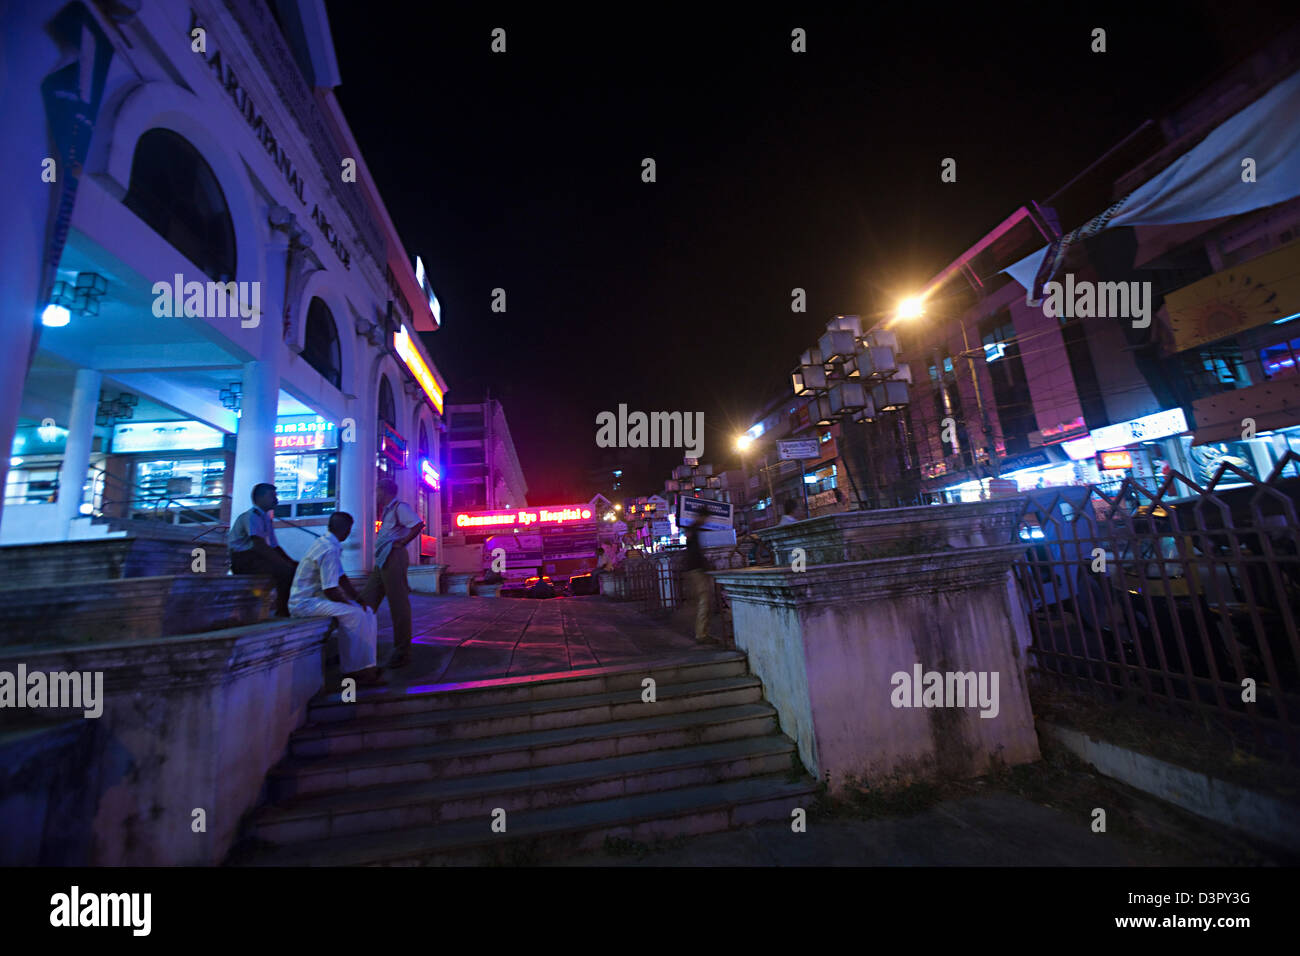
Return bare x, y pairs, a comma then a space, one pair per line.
429, 474
415, 362
423, 279
392, 445
165, 436
524, 517
1148, 428
1064, 431
1116, 459
305, 433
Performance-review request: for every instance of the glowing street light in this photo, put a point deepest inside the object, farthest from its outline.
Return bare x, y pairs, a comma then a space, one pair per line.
911, 308
743, 442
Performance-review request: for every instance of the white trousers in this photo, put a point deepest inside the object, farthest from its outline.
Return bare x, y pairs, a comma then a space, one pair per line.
359, 630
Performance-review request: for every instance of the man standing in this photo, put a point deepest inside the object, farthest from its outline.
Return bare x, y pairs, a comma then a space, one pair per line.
699, 582
399, 526
788, 517
321, 589
254, 550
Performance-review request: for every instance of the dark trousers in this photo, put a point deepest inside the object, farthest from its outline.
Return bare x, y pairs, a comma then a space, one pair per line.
390, 581
280, 569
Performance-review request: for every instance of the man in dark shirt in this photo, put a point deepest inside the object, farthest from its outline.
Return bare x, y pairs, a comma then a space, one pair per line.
699, 583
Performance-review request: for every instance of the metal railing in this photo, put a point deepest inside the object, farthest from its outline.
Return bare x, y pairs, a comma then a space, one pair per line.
158, 507
1185, 598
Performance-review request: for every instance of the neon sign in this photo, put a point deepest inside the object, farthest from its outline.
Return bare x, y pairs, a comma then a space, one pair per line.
429, 473
409, 354
523, 517
393, 445
309, 432
1116, 459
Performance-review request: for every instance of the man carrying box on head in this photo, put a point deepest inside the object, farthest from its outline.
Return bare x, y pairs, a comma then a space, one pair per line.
321, 589
399, 526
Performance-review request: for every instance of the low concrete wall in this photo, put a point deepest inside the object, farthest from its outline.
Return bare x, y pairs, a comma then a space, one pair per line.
827, 642
425, 578
191, 722
1262, 816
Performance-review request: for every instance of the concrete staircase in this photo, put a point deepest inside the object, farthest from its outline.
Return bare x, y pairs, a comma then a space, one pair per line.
413, 776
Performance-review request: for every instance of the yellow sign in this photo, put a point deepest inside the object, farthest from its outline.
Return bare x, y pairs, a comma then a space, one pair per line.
415, 362
1246, 296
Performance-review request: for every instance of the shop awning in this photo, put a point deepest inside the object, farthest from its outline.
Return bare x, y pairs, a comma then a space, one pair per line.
1203, 183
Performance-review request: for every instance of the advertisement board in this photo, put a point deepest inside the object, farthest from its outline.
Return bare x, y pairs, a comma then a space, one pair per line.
708, 514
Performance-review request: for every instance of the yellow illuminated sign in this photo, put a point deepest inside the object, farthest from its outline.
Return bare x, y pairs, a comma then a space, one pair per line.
415, 362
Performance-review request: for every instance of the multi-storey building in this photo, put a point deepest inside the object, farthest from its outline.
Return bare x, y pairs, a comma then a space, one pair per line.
200, 287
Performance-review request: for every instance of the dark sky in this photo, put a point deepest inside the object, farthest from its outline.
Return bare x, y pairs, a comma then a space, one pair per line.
819, 170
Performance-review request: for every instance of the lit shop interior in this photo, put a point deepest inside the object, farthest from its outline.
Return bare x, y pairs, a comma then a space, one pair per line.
1144, 449
147, 462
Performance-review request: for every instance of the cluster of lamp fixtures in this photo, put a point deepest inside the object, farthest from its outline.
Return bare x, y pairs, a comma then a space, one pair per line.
118, 408
81, 298
232, 396
852, 376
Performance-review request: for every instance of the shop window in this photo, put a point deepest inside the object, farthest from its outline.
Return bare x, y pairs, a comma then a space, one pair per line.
181, 490
1216, 369
307, 482
176, 193
387, 408
321, 344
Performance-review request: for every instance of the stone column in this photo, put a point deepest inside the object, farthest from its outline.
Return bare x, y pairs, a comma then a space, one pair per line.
890, 643
356, 481
76, 454
255, 440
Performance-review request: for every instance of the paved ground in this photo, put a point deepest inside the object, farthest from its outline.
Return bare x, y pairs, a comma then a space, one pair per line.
472, 638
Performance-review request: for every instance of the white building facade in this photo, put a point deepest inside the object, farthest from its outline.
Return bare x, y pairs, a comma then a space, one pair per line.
222, 301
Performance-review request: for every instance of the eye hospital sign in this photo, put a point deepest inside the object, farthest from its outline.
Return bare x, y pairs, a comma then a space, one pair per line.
409, 354
524, 517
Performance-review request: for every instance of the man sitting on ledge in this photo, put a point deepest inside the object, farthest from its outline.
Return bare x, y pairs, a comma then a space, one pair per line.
321, 589
254, 550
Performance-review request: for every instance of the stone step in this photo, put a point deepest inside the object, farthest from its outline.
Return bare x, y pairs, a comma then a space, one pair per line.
127, 609
102, 559
296, 776
427, 803
533, 835
404, 730
392, 700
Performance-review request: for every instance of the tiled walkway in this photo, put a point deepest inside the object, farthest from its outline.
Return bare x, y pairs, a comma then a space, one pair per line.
460, 639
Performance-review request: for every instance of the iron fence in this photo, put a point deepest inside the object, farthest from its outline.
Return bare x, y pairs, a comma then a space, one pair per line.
1184, 598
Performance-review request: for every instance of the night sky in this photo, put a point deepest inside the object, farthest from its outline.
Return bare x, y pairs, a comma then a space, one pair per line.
775, 170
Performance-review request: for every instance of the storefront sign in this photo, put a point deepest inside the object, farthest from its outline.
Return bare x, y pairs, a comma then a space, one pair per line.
798, 448
392, 445
305, 432
415, 362
1148, 428
1062, 431
1247, 296
135, 437
423, 279
429, 474
524, 517
704, 512
1021, 462
1111, 460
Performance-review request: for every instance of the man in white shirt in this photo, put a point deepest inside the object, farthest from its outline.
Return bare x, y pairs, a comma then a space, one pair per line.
254, 550
321, 589
399, 526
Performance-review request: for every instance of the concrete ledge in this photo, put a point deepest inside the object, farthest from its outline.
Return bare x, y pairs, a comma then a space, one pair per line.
1254, 813
189, 722
425, 578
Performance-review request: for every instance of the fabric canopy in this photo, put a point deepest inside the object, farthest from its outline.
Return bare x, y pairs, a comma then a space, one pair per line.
1203, 183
